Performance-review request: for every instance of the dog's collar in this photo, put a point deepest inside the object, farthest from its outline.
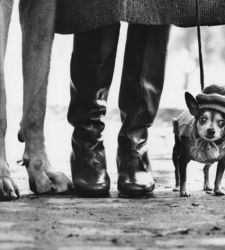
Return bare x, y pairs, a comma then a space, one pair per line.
203, 151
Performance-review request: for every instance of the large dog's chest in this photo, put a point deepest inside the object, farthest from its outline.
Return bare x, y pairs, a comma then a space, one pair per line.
198, 149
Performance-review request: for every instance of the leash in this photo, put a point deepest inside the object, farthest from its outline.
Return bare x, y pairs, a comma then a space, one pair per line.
202, 81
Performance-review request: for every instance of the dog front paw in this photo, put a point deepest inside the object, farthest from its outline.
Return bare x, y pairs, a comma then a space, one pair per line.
219, 192
44, 181
61, 182
40, 183
50, 183
207, 188
8, 188
176, 189
184, 194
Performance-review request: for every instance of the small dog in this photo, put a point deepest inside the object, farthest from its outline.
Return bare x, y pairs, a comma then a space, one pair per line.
37, 19
200, 136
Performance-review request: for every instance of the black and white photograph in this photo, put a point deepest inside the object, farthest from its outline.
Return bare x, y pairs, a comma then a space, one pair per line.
112, 124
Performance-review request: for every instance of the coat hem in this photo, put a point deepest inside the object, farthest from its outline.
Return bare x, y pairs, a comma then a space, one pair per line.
74, 16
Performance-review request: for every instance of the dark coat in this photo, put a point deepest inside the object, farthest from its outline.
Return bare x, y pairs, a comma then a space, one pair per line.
79, 15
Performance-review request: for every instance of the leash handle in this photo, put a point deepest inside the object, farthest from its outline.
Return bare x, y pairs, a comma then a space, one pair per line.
202, 80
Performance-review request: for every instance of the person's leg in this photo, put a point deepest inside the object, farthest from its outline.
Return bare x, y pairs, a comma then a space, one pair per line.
141, 88
92, 67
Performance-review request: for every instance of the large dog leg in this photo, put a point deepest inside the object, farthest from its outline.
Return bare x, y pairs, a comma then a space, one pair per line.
37, 22
8, 188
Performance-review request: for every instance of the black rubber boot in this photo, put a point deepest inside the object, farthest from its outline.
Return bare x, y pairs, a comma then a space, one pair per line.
140, 92
92, 69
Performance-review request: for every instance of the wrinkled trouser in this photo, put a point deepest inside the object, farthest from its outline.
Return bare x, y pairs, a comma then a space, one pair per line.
92, 67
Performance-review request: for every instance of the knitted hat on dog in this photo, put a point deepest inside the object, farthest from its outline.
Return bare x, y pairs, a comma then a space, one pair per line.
214, 101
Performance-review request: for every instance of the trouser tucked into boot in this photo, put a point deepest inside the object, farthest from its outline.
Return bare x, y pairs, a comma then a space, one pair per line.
140, 92
92, 67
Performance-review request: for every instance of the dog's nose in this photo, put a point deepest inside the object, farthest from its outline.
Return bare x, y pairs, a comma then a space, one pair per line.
211, 132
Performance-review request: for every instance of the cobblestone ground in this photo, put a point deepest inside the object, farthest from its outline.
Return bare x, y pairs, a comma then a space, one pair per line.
164, 221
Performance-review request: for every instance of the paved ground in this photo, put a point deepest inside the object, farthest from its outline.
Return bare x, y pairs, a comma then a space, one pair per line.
164, 221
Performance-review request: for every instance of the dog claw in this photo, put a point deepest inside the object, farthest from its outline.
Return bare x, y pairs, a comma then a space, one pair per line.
184, 194
20, 136
53, 189
8, 189
61, 183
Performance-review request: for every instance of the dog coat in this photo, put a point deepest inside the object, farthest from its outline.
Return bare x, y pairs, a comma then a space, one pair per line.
200, 150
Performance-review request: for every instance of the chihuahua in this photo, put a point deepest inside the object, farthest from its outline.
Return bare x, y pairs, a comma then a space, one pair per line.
200, 136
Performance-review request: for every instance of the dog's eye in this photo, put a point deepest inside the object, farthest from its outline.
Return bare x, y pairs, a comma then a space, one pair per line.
221, 123
202, 120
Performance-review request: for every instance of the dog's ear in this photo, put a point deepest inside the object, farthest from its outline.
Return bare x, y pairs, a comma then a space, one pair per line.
191, 103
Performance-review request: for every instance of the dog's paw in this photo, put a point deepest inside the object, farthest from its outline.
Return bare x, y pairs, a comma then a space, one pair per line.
176, 189
40, 183
219, 192
44, 181
8, 188
51, 183
184, 194
61, 182
207, 188
48, 182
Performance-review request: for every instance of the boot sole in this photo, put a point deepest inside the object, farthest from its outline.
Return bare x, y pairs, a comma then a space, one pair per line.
92, 193
132, 193
135, 194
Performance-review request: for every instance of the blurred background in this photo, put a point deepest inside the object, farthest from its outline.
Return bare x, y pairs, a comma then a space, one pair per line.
182, 74
182, 64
